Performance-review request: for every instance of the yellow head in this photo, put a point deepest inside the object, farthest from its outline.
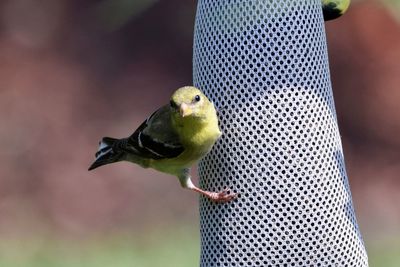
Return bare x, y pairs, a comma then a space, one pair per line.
195, 119
190, 102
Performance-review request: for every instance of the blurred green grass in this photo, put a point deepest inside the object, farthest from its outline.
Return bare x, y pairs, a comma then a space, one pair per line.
177, 248
168, 248
384, 253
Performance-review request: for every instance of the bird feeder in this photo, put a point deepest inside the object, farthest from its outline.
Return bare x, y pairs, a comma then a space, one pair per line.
264, 64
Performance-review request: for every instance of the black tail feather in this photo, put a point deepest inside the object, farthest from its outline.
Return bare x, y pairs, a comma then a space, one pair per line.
106, 154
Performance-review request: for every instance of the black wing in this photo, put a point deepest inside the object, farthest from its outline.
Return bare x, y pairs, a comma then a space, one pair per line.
155, 138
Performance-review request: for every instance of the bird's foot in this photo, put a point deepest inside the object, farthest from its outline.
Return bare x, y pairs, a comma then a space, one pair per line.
221, 197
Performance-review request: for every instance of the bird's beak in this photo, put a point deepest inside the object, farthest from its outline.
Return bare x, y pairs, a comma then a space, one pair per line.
185, 110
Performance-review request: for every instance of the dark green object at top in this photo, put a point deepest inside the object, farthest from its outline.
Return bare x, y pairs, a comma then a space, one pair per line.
333, 9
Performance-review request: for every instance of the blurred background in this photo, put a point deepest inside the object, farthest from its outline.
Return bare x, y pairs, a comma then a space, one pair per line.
74, 71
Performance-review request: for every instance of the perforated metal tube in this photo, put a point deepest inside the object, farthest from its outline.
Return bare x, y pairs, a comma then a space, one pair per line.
265, 66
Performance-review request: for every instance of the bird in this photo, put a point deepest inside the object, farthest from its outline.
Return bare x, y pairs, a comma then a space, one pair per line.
173, 139
333, 9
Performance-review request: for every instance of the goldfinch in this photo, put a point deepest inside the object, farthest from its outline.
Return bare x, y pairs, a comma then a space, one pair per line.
333, 9
171, 140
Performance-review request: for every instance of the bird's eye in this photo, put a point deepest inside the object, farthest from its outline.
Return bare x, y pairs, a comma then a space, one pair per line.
173, 104
196, 98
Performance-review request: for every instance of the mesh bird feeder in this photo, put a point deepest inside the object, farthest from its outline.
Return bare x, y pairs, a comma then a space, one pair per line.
264, 64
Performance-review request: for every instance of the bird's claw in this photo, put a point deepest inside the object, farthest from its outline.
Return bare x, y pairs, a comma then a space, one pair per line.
223, 196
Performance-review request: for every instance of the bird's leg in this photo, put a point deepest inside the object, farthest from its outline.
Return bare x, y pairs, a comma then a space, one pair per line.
223, 196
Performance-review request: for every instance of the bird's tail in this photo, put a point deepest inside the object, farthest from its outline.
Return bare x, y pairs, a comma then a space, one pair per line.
106, 154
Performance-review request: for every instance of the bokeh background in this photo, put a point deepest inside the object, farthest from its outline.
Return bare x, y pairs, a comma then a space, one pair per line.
72, 71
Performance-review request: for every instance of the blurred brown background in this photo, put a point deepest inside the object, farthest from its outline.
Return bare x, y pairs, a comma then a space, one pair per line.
74, 71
